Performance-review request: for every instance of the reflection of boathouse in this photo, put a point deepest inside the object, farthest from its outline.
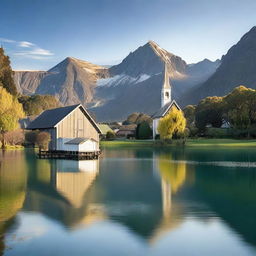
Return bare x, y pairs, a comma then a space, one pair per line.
73, 179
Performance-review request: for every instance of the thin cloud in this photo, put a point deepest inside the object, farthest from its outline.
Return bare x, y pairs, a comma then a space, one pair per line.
5, 40
26, 44
32, 50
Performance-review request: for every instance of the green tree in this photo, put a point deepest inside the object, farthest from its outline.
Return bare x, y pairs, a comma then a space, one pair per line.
209, 111
240, 107
137, 118
30, 137
189, 113
173, 124
143, 131
110, 135
6, 74
34, 105
10, 113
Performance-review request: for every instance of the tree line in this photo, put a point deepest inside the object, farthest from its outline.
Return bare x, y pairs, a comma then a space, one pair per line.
14, 106
235, 111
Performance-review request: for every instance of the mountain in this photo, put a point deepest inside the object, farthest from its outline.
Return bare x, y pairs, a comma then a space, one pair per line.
237, 68
71, 81
113, 93
135, 84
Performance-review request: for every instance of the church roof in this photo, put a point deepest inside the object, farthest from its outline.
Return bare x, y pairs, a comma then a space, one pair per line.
163, 110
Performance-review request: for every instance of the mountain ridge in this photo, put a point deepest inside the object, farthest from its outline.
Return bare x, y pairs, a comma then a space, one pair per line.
135, 83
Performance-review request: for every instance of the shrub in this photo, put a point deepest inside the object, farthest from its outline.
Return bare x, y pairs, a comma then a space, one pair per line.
216, 133
143, 131
30, 137
110, 135
42, 140
15, 137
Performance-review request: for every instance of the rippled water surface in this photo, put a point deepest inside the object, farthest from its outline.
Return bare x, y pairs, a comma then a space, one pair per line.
130, 202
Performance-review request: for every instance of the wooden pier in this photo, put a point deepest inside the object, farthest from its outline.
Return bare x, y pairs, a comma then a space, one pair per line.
72, 155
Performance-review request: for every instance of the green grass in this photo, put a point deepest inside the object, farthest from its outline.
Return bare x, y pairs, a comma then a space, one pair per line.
190, 143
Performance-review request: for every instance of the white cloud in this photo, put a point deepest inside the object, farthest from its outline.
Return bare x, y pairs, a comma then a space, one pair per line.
5, 40
32, 50
26, 44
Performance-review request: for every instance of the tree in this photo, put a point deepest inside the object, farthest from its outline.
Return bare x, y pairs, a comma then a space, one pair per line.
173, 124
42, 140
209, 111
240, 107
137, 118
6, 74
34, 105
30, 137
10, 113
189, 113
110, 135
143, 131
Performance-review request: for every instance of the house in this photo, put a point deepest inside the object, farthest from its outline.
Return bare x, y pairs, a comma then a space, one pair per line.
104, 129
166, 102
71, 129
127, 130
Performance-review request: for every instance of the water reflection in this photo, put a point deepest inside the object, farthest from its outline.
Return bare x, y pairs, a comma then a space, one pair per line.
134, 195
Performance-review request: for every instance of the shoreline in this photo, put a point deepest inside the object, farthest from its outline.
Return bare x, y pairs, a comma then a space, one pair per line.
190, 143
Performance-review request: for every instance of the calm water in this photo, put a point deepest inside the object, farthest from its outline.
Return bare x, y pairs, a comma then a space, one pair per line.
130, 202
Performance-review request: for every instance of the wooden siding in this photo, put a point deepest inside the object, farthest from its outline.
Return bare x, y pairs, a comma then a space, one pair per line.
76, 124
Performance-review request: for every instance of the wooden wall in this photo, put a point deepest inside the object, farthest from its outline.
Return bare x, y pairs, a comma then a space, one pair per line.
76, 125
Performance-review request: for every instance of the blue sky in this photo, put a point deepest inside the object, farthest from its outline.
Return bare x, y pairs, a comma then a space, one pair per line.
37, 34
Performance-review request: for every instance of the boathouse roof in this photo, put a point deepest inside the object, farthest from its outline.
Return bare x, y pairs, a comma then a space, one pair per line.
77, 141
50, 118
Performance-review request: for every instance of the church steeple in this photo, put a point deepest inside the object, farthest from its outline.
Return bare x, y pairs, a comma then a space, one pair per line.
166, 89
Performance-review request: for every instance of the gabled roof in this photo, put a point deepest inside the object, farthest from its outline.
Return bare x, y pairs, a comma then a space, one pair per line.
104, 128
77, 141
163, 110
50, 118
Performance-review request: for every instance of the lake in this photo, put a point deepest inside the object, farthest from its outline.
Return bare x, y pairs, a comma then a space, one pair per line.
192, 201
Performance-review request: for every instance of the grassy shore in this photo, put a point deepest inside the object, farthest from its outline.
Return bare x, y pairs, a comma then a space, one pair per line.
189, 143
12, 147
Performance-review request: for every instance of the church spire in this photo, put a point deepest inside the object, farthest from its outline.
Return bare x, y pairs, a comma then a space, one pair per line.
166, 89
166, 84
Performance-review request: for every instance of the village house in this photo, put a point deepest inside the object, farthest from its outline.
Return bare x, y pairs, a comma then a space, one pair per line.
166, 103
72, 129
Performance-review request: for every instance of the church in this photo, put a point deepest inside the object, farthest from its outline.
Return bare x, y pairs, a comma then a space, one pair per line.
166, 102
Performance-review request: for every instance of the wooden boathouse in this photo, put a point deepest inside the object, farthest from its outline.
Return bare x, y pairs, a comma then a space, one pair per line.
74, 133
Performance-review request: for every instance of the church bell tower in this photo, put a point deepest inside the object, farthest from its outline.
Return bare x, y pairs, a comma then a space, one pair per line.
166, 89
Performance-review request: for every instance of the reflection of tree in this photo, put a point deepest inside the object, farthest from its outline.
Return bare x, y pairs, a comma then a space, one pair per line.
174, 173
12, 191
173, 176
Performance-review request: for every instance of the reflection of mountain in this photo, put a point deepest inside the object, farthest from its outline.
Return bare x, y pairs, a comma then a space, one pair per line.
148, 195
231, 193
